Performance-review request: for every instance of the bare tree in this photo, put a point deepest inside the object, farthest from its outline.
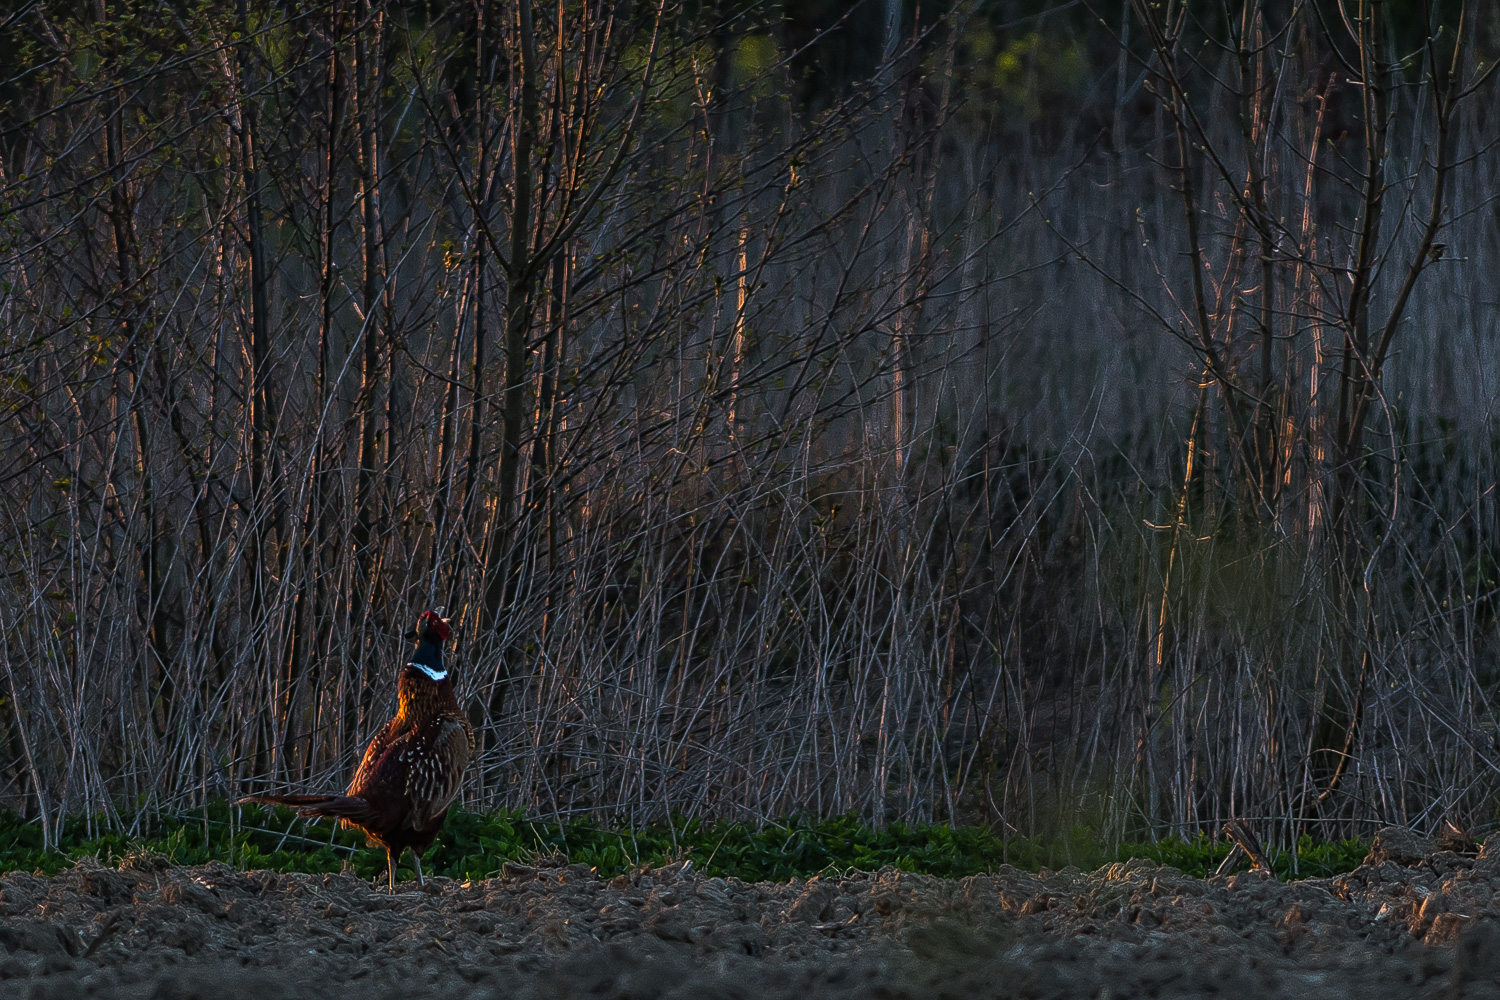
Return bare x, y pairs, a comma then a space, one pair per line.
730, 376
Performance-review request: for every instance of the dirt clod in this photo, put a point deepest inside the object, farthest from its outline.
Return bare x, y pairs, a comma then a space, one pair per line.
1413, 921
1398, 845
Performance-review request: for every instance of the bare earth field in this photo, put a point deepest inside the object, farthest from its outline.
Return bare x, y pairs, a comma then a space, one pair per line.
1412, 922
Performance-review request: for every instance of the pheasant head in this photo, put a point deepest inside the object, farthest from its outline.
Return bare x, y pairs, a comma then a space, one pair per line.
423, 684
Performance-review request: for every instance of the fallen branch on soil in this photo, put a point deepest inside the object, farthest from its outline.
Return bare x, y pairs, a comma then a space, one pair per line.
1245, 846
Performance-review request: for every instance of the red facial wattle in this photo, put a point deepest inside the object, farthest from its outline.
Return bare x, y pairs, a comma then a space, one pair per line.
434, 626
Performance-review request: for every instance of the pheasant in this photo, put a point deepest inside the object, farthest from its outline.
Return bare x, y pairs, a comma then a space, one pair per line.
412, 768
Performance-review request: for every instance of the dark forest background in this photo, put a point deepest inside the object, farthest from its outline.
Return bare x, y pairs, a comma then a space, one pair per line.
1011, 412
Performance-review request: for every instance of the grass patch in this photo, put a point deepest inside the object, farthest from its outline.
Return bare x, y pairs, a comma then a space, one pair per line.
474, 845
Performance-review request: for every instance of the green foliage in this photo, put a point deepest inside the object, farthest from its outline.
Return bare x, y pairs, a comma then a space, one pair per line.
474, 845
1200, 856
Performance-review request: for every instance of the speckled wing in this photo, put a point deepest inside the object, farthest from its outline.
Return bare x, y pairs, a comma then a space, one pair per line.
436, 759
375, 753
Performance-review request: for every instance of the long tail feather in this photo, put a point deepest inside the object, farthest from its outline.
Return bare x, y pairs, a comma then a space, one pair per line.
350, 807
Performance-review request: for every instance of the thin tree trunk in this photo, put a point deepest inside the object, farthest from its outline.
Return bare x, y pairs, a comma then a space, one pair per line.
127, 261
368, 83
1253, 82
257, 378
543, 507
503, 549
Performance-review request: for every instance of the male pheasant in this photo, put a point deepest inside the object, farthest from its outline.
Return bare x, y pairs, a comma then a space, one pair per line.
412, 768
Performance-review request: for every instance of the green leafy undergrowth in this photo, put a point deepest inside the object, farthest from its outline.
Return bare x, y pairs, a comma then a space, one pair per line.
475, 845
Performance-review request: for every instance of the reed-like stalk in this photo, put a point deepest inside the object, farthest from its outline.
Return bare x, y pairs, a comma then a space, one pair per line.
897, 454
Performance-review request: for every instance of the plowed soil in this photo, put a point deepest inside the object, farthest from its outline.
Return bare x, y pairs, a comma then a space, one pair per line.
1411, 922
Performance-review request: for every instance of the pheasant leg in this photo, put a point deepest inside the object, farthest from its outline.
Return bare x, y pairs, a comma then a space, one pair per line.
390, 862
416, 863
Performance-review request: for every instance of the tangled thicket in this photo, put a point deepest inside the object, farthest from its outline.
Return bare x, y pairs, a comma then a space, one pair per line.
973, 417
